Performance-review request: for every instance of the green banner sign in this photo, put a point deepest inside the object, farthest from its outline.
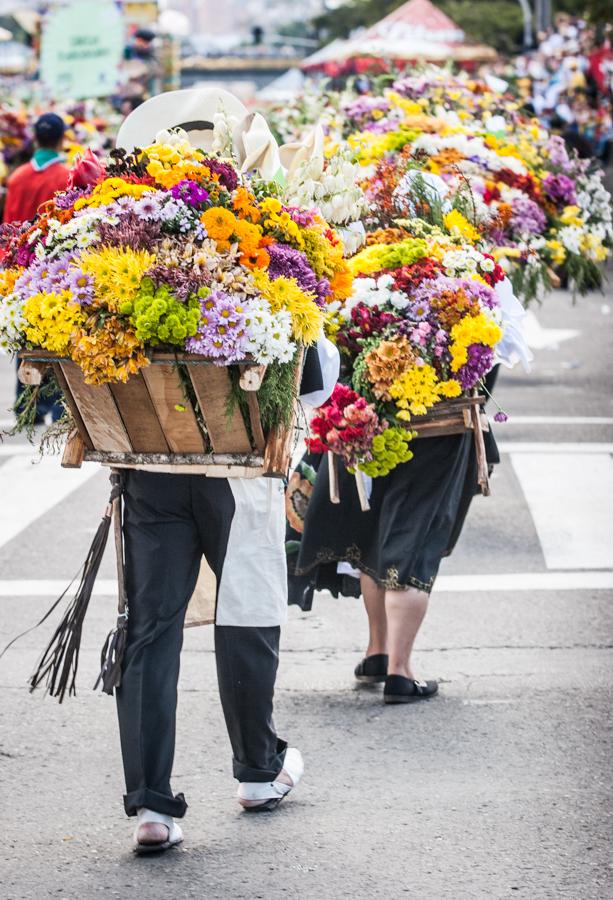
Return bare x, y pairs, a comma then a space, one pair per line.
82, 49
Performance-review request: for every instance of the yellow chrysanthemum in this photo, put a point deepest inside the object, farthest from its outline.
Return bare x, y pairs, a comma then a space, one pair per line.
51, 320
415, 391
8, 277
285, 293
117, 273
472, 330
456, 222
110, 189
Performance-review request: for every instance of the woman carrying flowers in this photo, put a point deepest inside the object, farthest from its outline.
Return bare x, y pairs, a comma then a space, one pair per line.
424, 326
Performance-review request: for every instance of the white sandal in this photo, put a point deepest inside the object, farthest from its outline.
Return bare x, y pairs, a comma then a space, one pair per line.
175, 835
256, 796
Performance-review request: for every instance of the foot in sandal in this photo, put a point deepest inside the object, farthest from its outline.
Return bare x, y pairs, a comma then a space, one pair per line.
265, 796
155, 832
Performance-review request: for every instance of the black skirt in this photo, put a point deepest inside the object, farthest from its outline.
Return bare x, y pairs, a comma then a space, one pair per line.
416, 516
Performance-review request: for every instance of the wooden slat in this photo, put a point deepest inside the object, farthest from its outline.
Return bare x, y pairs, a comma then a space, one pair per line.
72, 406
74, 451
256, 422
179, 426
98, 411
139, 416
280, 441
212, 386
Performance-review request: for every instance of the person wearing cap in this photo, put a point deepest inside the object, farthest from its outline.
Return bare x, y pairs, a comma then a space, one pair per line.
38, 180
31, 185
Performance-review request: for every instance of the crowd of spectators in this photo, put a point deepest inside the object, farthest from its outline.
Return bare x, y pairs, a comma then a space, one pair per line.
568, 82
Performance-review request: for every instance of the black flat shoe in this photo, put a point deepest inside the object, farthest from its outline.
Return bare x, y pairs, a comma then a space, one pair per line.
399, 689
372, 669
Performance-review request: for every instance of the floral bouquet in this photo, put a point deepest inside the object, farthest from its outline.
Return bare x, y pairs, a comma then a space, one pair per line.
167, 248
421, 328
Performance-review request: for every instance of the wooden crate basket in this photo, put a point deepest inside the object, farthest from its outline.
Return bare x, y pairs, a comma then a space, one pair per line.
150, 422
456, 416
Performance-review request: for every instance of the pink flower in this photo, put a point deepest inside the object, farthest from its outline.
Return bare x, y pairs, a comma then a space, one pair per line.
87, 171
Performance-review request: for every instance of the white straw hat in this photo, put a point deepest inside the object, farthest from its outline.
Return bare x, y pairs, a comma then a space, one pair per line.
192, 109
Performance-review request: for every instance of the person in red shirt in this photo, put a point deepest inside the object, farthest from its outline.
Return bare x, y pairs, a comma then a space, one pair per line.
37, 181
28, 187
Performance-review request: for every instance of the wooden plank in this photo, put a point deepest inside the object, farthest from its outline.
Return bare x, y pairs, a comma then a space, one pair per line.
280, 441
213, 386
31, 373
174, 411
98, 410
72, 406
139, 415
74, 451
256, 422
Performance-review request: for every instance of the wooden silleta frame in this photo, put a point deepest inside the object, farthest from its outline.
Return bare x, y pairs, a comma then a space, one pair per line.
150, 421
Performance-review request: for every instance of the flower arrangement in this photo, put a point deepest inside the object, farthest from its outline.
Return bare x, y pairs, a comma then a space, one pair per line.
538, 210
167, 248
421, 327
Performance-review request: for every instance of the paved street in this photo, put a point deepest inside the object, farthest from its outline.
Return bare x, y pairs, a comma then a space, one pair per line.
498, 788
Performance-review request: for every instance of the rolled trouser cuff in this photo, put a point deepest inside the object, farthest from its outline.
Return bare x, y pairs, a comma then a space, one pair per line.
161, 803
244, 772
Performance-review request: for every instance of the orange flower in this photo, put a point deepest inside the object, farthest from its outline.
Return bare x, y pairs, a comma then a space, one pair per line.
257, 260
220, 223
341, 283
248, 237
244, 205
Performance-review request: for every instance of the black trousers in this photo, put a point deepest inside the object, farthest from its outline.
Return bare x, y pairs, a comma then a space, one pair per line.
170, 521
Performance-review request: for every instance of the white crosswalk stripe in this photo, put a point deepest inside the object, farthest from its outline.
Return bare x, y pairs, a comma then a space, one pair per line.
567, 488
29, 489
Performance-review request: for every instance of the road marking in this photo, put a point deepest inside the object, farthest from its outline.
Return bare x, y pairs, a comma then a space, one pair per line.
540, 338
556, 448
29, 490
558, 420
570, 499
449, 584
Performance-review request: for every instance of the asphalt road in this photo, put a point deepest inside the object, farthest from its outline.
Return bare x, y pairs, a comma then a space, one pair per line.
498, 788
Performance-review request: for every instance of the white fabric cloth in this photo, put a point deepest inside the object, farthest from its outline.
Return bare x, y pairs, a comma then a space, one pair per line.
310, 148
253, 586
513, 347
256, 148
330, 362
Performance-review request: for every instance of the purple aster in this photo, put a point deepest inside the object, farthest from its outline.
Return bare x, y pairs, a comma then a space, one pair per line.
290, 263
557, 151
480, 361
148, 206
226, 174
527, 216
222, 332
302, 217
81, 286
69, 198
190, 192
500, 416
482, 293
560, 189
418, 310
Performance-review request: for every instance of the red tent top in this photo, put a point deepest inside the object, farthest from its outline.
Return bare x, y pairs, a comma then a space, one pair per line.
416, 19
